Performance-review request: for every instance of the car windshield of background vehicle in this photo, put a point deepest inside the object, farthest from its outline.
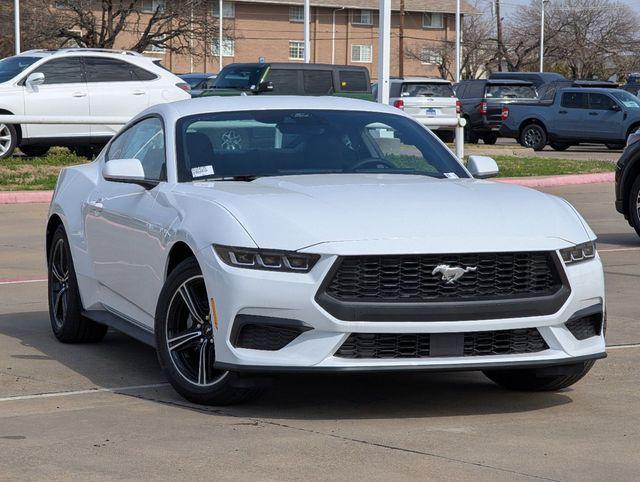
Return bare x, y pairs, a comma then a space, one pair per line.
426, 90
627, 99
12, 66
194, 81
247, 145
238, 78
510, 92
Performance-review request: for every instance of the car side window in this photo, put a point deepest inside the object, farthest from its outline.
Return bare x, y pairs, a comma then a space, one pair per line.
285, 81
102, 69
601, 102
317, 82
62, 71
574, 100
143, 141
475, 90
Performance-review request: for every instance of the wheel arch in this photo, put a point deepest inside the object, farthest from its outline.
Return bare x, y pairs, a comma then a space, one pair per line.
17, 126
52, 225
529, 121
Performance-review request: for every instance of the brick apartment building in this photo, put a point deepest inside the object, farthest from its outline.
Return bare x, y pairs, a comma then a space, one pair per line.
341, 32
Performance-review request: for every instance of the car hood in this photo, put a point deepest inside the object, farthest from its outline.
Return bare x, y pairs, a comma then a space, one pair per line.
394, 213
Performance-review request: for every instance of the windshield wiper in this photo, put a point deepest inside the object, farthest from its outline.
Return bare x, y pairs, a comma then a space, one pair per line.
244, 178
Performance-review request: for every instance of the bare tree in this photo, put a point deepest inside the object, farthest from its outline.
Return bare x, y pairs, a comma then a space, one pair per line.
583, 38
177, 26
478, 50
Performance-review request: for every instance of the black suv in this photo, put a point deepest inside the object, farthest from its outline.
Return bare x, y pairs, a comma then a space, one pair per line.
293, 79
482, 102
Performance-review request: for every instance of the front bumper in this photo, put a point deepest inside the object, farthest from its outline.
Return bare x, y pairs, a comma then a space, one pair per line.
291, 296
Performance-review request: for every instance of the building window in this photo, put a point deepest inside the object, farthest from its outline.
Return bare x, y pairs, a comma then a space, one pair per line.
296, 13
296, 50
362, 17
151, 6
361, 53
228, 47
430, 57
228, 9
432, 20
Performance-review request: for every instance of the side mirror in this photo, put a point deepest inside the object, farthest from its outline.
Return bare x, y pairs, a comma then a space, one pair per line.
482, 167
34, 80
124, 170
615, 108
266, 86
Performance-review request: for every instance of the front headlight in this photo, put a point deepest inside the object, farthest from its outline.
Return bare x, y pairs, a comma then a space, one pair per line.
266, 259
580, 252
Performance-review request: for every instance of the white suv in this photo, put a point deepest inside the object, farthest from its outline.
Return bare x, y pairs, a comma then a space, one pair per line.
78, 82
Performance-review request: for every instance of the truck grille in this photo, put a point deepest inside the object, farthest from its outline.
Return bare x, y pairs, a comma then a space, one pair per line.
420, 345
410, 278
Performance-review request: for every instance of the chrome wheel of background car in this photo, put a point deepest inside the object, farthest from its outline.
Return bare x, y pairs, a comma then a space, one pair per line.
189, 334
231, 140
532, 137
5, 139
59, 286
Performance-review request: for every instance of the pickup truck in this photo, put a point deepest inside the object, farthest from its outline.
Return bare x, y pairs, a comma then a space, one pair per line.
573, 116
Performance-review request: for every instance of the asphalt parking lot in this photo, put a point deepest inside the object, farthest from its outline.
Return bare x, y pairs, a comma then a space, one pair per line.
103, 411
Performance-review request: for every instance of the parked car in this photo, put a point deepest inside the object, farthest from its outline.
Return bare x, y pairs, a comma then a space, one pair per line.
327, 247
77, 82
599, 116
425, 99
199, 82
628, 182
482, 103
293, 79
536, 78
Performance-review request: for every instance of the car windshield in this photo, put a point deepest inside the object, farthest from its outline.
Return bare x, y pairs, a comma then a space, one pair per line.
424, 89
238, 77
629, 100
246, 145
12, 66
511, 92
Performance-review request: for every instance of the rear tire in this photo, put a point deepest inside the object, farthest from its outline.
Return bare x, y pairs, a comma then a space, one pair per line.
34, 151
533, 136
65, 306
8, 140
470, 137
634, 205
531, 380
185, 341
490, 139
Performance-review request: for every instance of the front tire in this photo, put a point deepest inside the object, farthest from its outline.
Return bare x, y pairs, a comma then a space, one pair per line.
533, 136
8, 140
65, 306
532, 380
185, 341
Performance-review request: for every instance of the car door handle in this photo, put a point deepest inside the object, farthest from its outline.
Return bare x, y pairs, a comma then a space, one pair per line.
95, 206
79, 94
593, 113
138, 92
563, 112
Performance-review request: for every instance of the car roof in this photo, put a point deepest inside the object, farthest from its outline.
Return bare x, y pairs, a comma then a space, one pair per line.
295, 65
437, 80
111, 53
205, 105
595, 90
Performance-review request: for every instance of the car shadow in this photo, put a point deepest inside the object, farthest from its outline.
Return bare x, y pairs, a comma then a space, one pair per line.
629, 239
121, 361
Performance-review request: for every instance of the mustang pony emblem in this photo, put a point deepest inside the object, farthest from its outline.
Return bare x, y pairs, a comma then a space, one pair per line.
451, 274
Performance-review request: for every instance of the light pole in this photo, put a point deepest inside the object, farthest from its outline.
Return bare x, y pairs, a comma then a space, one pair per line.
16, 24
307, 40
542, 2
220, 31
457, 76
384, 50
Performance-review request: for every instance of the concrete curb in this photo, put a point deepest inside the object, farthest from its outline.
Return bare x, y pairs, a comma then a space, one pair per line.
21, 197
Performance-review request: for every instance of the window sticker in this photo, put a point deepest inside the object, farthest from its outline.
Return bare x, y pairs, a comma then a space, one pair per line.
451, 175
201, 171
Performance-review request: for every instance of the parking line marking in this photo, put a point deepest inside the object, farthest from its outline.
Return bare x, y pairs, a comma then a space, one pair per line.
82, 392
20, 281
620, 347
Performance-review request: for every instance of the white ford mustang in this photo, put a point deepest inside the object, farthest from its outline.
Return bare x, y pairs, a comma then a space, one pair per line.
272, 234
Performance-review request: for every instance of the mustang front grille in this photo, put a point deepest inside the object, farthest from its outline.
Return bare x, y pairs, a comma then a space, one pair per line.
425, 345
444, 287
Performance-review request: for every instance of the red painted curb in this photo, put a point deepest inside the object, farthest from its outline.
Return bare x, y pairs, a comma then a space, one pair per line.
20, 197
551, 181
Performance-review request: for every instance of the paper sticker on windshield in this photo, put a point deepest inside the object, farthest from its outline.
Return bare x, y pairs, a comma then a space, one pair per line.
451, 175
201, 171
